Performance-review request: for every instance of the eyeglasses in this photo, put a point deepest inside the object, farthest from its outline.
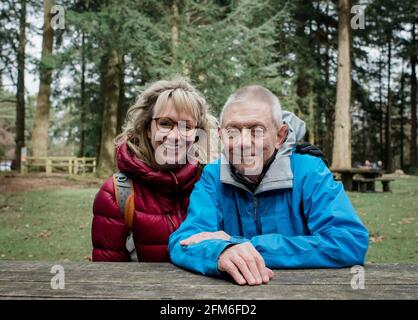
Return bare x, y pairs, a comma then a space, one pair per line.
256, 131
165, 125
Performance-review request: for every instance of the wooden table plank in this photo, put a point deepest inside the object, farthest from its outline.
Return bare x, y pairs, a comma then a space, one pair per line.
26, 279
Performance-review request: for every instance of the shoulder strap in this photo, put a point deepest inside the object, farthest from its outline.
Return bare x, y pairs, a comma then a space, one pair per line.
124, 193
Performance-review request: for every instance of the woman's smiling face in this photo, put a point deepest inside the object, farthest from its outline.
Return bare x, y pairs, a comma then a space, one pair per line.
171, 145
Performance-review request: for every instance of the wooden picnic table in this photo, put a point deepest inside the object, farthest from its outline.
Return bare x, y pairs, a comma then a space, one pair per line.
84, 280
362, 179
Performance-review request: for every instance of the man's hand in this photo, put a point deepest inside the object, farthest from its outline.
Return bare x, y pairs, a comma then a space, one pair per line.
205, 236
245, 264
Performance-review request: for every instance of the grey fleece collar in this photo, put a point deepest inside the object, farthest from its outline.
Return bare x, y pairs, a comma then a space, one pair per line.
279, 175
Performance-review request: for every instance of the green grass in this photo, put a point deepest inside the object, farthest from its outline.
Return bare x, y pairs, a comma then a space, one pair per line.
55, 224
46, 225
392, 220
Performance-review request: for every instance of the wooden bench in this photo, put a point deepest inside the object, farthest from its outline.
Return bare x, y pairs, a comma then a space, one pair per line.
385, 182
363, 184
357, 179
337, 176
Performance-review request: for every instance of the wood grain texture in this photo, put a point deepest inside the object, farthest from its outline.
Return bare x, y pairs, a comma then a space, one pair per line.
32, 280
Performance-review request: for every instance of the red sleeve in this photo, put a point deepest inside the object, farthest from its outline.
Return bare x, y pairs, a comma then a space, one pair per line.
109, 230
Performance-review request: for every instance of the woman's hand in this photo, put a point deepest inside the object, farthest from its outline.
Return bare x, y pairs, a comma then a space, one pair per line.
205, 236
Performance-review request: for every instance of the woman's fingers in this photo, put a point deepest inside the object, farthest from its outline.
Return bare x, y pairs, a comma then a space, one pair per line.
199, 237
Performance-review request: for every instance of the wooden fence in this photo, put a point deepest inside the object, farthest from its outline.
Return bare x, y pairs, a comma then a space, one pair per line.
70, 165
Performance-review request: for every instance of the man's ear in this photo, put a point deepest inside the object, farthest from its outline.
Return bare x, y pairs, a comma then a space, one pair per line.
282, 135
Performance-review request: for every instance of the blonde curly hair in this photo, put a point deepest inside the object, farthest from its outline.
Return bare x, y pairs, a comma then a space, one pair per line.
154, 98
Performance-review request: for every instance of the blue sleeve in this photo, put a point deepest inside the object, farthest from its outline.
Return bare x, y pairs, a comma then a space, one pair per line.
337, 236
204, 215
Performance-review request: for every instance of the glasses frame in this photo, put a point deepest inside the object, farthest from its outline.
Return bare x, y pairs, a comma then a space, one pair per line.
175, 124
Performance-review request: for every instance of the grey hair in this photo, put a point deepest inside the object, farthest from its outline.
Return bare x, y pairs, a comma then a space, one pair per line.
255, 93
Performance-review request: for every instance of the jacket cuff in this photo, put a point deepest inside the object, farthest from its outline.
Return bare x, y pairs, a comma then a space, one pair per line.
238, 240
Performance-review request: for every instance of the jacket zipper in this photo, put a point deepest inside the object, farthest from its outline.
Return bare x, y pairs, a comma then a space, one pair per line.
255, 215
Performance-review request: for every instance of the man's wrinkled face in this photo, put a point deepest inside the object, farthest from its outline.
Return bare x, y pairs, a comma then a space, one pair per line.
250, 136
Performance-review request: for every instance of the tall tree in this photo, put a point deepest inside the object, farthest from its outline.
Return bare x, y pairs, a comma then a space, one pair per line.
413, 61
20, 92
381, 126
402, 117
111, 74
341, 155
81, 151
43, 103
388, 137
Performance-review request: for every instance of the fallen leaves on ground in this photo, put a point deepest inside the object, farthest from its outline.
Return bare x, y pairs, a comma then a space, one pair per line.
406, 220
44, 234
377, 238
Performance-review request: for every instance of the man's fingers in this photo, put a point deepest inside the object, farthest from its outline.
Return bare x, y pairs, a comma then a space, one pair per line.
252, 266
242, 266
233, 271
270, 273
245, 264
260, 265
262, 268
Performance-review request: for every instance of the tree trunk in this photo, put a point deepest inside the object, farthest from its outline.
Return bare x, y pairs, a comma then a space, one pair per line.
329, 109
81, 151
312, 126
413, 59
388, 151
121, 103
341, 155
174, 30
381, 133
401, 111
111, 82
20, 92
43, 103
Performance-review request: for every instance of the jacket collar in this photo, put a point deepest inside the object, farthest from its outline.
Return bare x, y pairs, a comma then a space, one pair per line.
179, 180
279, 175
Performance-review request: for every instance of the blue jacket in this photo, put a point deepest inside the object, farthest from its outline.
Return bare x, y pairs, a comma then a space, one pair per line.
298, 217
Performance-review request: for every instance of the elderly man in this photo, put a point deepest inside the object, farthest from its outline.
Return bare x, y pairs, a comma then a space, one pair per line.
262, 206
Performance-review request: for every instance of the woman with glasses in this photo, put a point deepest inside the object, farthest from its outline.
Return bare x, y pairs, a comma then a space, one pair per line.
162, 149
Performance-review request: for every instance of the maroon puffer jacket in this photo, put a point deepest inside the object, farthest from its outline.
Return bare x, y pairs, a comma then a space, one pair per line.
161, 201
